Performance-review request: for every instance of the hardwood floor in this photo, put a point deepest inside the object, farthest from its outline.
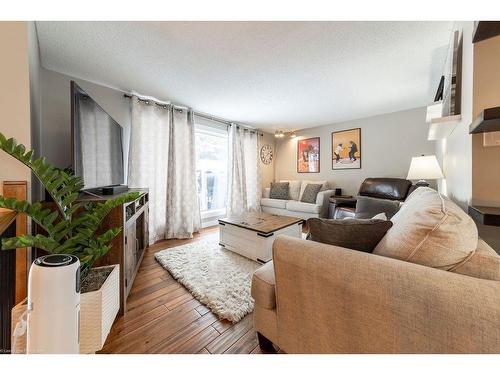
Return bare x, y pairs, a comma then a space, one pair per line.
163, 317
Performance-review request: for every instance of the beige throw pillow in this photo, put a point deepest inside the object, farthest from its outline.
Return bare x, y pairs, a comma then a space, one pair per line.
430, 230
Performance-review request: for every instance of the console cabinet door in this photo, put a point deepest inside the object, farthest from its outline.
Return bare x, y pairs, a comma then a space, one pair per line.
130, 257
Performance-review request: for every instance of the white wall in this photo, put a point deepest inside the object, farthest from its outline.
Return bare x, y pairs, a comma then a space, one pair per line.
267, 171
388, 143
56, 114
455, 152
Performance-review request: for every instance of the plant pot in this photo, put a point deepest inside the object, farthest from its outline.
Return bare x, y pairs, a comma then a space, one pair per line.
98, 310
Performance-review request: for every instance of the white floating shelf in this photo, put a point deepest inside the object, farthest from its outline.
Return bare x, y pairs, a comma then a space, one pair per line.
441, 127
434, 110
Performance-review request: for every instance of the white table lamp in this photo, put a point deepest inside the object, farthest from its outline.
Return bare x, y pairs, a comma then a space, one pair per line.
424, 168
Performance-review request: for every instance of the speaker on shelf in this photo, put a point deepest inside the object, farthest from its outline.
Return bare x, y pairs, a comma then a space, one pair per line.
338, 191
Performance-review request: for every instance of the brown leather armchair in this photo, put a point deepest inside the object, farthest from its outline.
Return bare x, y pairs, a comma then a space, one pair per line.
393, 189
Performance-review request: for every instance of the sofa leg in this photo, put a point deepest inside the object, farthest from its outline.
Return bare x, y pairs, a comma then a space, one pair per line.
265, 345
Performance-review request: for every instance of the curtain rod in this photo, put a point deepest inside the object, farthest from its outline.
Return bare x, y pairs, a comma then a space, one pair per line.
199, 114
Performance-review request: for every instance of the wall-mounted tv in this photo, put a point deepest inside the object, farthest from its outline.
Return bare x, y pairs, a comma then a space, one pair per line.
97, 142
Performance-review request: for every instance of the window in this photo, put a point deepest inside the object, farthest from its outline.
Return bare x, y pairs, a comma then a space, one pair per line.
211, 171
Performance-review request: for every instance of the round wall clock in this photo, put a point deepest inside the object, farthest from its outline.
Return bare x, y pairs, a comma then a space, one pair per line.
266, 154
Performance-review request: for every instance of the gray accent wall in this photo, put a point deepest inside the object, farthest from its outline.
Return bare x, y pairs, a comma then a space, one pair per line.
388, 142
267, 170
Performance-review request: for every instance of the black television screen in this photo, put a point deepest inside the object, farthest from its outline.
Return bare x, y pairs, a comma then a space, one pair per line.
97, 142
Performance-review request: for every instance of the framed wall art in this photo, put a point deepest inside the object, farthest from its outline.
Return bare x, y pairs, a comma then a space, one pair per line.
308, 153
346, 149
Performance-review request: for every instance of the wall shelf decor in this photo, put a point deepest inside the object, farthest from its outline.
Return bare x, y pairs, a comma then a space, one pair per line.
485, 30
485, 215
442, 127
434, 110
487, 121
444, 115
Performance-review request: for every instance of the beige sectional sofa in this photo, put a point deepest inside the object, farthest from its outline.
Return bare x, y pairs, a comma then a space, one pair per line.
293, 206
431, 286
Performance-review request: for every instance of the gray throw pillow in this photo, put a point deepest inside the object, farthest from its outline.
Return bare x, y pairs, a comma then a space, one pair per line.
368, 207
279, 190
356, 234
310, 193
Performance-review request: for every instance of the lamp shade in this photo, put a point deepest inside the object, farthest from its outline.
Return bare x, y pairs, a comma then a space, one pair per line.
424, 168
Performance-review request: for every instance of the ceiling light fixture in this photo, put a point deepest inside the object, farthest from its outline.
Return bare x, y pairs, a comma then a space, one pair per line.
279, 134
293, 134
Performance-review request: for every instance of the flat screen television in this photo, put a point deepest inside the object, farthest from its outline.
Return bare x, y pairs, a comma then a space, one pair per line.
97, 143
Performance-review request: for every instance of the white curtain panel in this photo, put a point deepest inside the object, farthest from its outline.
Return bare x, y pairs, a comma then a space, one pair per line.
244, 180
148, 161
183, 211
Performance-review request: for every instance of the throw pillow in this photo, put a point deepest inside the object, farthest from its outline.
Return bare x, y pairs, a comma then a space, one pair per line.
294, 189
380, 216
356, 234
430, 230
324, 186
310, 193
279, 190
367, 207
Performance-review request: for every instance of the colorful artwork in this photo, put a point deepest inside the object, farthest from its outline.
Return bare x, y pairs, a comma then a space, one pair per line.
346, 149
308, 151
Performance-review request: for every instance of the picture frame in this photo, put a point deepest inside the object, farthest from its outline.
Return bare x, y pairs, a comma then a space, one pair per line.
308, 155
346, 149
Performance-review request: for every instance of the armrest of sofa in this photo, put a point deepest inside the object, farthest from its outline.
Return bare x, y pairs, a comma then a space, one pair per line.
263, 286
335, 300
266, 193
323, 196
344, 202
322, 199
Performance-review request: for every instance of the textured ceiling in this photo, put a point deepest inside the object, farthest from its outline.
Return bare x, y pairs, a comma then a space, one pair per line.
274, 75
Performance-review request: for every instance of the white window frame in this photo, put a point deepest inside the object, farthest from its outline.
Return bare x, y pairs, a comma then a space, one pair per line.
210, 218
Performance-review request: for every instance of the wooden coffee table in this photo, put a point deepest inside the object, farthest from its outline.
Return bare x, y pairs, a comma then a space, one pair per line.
252, 235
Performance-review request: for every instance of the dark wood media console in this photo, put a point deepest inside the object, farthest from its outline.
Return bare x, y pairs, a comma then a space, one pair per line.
127, 249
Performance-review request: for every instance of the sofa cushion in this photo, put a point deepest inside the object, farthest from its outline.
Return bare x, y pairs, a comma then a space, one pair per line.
310, 193
367, 207
311, 208
276, 203
356, 234
263, 286
294, 189
324, 186
483, 264
430, 230
279, 190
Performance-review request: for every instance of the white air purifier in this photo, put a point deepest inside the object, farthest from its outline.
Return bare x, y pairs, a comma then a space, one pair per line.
54, 305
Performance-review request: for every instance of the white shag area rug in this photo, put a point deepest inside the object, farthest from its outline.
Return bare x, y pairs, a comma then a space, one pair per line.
218, 278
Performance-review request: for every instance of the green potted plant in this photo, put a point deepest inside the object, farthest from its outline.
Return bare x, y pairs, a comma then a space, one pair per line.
72, 228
